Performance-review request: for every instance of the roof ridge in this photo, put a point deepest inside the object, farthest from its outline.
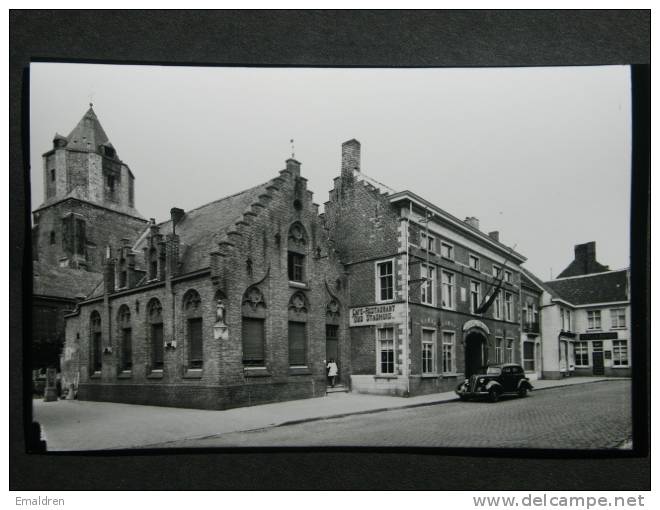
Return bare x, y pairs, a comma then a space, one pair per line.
587, 275
219, 200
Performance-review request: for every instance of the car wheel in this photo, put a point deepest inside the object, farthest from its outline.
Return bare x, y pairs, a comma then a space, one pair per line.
522, 392
493, 395
463, 398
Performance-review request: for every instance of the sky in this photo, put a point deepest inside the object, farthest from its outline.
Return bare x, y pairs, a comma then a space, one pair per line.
542, 155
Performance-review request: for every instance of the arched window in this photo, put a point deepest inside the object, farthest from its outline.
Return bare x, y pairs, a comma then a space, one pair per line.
192, 309
155, 330
298, 307
253, 327
95, 341
297, 249
125, 338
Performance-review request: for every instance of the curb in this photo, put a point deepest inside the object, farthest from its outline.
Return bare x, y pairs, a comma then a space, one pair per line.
420, 404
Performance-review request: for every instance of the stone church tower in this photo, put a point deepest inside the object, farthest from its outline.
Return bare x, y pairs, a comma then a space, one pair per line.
89, 204
89, 200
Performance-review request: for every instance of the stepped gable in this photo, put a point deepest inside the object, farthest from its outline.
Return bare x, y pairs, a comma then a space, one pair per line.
63, 282
202, 228
597, 288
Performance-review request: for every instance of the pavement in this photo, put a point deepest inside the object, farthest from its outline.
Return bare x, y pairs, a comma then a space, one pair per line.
73, 425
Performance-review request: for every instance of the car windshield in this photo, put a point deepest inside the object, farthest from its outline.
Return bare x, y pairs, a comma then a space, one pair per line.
493, 371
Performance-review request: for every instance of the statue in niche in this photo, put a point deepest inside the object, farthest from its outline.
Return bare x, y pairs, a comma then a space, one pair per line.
220, 328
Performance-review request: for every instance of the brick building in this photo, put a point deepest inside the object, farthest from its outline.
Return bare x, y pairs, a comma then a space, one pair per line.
416, 277
88, 202
229, 304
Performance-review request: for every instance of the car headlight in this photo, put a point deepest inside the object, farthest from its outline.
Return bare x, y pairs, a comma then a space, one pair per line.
481, 380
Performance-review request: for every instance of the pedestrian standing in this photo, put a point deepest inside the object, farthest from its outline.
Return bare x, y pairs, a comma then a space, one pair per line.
332, 372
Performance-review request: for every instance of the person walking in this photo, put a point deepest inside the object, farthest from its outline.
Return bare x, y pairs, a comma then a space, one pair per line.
332, 372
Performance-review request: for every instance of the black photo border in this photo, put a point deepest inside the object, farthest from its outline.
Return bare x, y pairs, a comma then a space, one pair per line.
456, 38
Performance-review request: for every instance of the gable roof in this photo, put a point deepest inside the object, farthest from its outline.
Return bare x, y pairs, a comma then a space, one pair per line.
88, 133
62, 282
202, 228
597, 288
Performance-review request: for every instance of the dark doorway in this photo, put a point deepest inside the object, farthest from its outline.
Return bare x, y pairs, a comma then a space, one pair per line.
332, 346
599, 366
474, 354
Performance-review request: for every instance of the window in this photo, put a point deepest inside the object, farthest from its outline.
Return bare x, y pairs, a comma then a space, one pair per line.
384, 281
508, 306
253, 342
581, 354
474, 262
427, 242
386, 350
528, 356
497, 309
52, 175
620, 353
618, 316
497, 271
155, 318
447, 290
52, 237
96, 341
297, 343
448, 352
507, 276
125, 338
126, 357
122, 279
447, 251
195, 343
475, 295
498, 350
593, 319
509, 350
428, 284
296, 267
428, 351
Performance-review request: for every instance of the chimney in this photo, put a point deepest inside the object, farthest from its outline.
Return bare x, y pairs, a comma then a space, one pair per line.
585, 256
350, 157
109, 274
472, 221
177, 215
173, 248
495, 235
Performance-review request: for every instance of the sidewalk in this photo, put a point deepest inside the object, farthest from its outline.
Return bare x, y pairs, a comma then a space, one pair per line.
69, 425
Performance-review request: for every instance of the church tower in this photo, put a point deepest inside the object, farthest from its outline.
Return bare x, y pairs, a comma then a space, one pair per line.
89, 199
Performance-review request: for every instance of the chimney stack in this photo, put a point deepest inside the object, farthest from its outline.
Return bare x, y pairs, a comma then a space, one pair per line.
177, 215
495, 235
350, 157
472, 221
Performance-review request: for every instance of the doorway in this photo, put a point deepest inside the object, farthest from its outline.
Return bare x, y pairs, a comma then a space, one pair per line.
332, 347
475, 360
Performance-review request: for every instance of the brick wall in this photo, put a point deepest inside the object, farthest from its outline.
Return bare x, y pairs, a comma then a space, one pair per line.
262, 238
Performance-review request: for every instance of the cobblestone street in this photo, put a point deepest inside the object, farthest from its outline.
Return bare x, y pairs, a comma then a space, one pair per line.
589, 416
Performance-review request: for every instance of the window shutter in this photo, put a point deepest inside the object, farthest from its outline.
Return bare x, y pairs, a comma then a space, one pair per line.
297, 343
195, 342
253, 341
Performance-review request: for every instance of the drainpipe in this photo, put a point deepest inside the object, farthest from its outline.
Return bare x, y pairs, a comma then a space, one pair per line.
406, 351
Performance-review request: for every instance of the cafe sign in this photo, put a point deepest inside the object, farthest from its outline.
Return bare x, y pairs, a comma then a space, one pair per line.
377, 314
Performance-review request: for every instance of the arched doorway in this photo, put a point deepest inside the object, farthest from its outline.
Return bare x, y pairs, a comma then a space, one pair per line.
475, 355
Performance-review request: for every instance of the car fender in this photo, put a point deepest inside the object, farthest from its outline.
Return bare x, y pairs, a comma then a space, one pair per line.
494, 384
524, 383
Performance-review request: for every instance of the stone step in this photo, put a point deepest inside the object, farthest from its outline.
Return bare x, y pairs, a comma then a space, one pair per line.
339, 388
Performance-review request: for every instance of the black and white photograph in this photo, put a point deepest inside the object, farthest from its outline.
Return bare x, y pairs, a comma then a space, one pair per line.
245, 257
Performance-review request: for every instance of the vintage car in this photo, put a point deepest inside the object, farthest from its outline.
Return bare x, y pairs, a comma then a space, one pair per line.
507, 379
